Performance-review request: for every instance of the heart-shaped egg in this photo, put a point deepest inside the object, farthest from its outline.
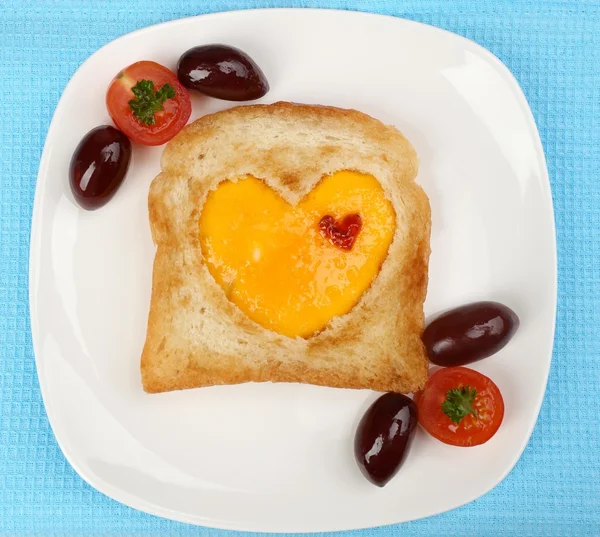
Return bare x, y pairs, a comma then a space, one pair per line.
290, 268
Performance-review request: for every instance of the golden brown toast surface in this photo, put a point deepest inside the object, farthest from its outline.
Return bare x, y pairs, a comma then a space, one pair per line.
197, 337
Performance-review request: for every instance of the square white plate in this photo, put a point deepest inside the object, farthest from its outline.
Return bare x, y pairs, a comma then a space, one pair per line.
279, 457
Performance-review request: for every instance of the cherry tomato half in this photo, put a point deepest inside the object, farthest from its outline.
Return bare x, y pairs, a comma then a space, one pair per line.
148, 103
460, 406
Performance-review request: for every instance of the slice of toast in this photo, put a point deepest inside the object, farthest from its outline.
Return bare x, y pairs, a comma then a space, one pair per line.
197, 337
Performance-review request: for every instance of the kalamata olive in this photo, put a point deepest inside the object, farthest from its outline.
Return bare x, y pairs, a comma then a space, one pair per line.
469, 333
383, 436
99, 165
223, 72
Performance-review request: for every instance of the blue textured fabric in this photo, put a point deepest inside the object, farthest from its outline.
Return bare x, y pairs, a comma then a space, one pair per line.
552, 47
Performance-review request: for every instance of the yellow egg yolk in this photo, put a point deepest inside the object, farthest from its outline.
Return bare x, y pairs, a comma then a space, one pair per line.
274, 262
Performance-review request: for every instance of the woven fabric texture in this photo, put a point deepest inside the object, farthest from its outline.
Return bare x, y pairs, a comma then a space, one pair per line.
553, 49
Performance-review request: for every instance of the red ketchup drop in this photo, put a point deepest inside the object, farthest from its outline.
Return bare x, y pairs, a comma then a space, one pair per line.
341, 234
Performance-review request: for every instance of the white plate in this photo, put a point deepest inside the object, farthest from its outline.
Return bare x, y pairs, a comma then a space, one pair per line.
279, 457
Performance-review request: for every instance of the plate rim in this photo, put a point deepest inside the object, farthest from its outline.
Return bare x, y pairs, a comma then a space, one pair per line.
130, 500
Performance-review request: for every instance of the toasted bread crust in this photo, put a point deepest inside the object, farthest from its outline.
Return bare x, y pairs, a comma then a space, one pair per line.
197, 337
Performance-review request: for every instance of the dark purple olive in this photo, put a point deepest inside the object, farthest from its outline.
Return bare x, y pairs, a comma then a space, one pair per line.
223, 72
98, 166
383, 436
469, 333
